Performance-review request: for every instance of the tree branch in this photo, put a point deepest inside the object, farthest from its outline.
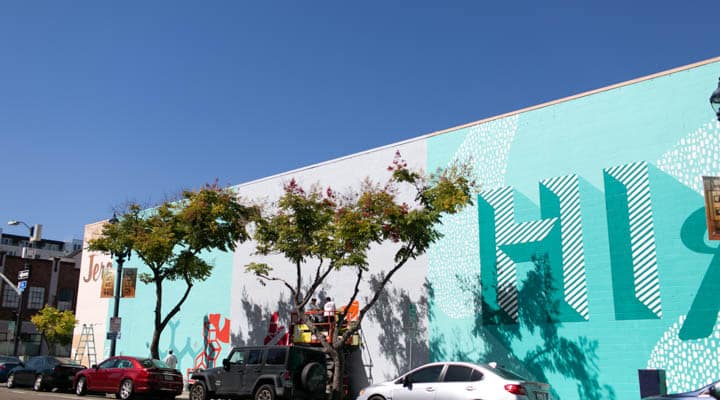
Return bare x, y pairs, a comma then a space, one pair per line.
299, 282
355, 327
343, 315
318, 280
176, 309
272, 278
317, 271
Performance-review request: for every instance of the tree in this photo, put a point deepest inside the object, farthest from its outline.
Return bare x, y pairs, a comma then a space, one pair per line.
55, 326
170, 239
320, 232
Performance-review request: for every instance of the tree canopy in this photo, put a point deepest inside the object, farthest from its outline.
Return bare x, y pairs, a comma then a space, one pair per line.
320, 231
170, 238
56, 326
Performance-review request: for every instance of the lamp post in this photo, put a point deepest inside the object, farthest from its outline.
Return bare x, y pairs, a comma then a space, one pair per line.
120, 258
715, 101
34, 236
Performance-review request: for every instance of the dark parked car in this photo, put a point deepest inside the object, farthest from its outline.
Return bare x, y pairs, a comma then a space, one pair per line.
6, 364
126, 376
44, 373
711, 391
264, 373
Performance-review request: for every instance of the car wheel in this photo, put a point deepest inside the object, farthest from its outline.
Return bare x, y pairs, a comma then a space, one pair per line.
265, 392
81, 386
198, 392
126, 390
376, 398
313, 377
38, 386
11, 381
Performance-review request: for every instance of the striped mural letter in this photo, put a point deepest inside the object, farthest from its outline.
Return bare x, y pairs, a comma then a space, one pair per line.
562, 194
557, 235
631, 237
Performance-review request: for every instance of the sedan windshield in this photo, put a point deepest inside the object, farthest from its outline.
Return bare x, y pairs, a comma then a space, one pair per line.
152, 363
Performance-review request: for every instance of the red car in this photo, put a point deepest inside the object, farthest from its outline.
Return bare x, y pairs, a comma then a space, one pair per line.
127, 376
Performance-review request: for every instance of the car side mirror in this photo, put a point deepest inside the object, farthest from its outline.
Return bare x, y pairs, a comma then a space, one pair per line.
715, 391
407, 382
226, 363
94, 366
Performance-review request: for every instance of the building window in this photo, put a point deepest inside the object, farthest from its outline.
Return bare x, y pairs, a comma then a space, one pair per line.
65, 299
36, 298
10, 298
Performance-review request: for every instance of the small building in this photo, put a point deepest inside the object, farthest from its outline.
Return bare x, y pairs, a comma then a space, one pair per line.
54, 274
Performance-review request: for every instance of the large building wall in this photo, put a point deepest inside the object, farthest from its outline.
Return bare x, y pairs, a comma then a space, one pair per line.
584, 258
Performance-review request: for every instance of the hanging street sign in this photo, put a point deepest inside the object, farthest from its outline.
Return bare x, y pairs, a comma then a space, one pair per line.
23, 274
22, 285
115, 323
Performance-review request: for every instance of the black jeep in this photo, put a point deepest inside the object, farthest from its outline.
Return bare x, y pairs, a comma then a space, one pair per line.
264, 373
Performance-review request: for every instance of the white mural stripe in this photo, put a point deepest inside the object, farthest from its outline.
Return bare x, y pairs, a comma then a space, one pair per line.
635, 178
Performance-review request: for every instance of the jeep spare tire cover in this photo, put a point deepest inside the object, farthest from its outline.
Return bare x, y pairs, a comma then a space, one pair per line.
313, 377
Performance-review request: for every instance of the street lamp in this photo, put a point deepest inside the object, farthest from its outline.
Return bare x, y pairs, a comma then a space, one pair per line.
35, 232
120, 257
715, 101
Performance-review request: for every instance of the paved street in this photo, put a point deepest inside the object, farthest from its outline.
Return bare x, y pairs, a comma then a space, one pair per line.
29, 394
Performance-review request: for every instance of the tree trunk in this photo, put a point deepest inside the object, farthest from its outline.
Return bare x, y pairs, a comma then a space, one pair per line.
160, 322
155, 344
337, 390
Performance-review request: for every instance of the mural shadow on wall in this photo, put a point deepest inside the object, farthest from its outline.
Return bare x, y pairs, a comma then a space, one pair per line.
401, 331
574, 359
258, 319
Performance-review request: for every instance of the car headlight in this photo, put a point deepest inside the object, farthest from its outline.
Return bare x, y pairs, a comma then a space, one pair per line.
362, 392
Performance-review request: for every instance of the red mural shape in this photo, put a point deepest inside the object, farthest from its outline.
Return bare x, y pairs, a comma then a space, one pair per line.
213, 338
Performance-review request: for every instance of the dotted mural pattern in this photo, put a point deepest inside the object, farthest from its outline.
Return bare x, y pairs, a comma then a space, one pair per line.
688, 364
693, 156
456, 254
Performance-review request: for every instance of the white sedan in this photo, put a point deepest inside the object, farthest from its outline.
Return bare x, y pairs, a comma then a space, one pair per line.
457, 381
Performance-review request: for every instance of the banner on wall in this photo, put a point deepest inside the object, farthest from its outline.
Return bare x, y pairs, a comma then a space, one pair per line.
711, 184
128, 282
108, 283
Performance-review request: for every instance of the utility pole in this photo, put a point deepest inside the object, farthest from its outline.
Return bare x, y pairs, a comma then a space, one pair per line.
23, 278
115, 320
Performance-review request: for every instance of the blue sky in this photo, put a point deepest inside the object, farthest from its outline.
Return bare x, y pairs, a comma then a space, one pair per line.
103, 102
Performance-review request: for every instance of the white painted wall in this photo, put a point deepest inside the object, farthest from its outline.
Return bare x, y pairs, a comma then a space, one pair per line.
340, 175
91, 309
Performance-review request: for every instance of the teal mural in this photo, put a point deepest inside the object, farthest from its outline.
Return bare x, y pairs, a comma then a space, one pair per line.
585, 257
199, 335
